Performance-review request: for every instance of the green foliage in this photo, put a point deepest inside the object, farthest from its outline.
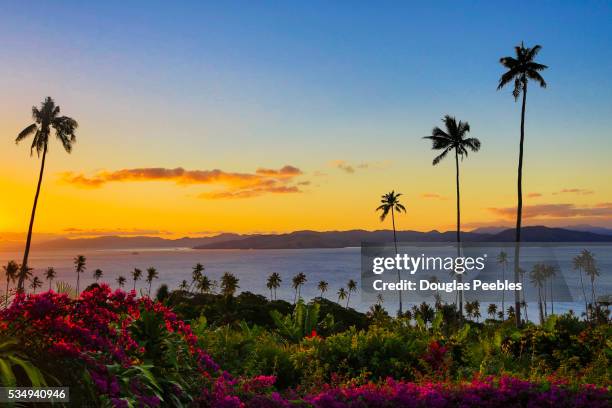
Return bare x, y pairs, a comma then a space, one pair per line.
299, 324
16, 368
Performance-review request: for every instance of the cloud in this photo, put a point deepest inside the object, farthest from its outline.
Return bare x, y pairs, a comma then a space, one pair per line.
534, 195
581, 191
82, 232
351, 168
433, 196
602, 210
238, 185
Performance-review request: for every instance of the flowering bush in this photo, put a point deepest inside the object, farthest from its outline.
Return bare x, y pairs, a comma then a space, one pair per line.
113, 349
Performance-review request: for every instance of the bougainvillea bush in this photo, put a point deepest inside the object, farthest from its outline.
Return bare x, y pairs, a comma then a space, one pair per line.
113, 349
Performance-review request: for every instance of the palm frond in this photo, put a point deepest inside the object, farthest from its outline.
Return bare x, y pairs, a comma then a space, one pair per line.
537, 77
441, 156
26, 132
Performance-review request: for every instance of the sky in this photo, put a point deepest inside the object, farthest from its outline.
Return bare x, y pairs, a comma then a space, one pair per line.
202, 117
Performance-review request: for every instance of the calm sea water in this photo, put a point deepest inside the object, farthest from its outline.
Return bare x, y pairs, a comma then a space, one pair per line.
336, 266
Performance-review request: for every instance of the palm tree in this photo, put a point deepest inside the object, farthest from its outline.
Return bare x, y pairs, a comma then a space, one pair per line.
380, 299
520, 69
550, 271
476, 312
322, 286
45, 118
79, 266
341, 294
229, 284
579, 264
121, 281
50, 275
390, 202
453, 138
97, 275
273, 283
136, 275
204, 284
492, 310
537, 278
11, 270
35, 284
591, 270
151, 274
184, 286
469, 309
352, 287
502, 259
196, 274
297, 282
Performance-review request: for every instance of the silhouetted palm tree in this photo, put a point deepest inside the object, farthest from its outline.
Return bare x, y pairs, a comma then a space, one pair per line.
591, 270
390, 203
97, 275
521, 68
50, 275
492, 310
184, 286
196, 274
352, 287
35, 284
121, 281
151, 274
322, 286
550, 271
11, 271
297, 282
273, 283
79, 266
45, 118
204, 284
229, 284
579, 263
537, 278
136, 275
502, 259
453, 139
341, 294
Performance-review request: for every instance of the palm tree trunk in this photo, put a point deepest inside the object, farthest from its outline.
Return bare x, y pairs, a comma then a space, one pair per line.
49, 284
459, 276
26, 252
503, 291
586, 306
519, 210
348, 299
134, 289
552, 299
593, 289
540, 305
78, 279
7, 294
399, 277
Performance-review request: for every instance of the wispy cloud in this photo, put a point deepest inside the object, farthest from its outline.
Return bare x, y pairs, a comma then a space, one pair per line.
581, 191
602, 210
351, 168
238, 185
534, 195
433, 196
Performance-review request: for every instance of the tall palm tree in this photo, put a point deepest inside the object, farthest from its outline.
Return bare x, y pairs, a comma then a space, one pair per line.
591, 270
352, 287
151, 274
453, 139
11, 270
46, 117
136, 275
390, 203
322, 286
36, 283
550, 272
579, 263
79, 266
97, 275
121, 281
520, 69
502, 259
537, 277
273, 283
341, 294
50, 275
184, 286
476, 312
196, 274
297, 282
229, 284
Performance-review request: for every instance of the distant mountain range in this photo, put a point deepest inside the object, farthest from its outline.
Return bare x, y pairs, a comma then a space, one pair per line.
326, 239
